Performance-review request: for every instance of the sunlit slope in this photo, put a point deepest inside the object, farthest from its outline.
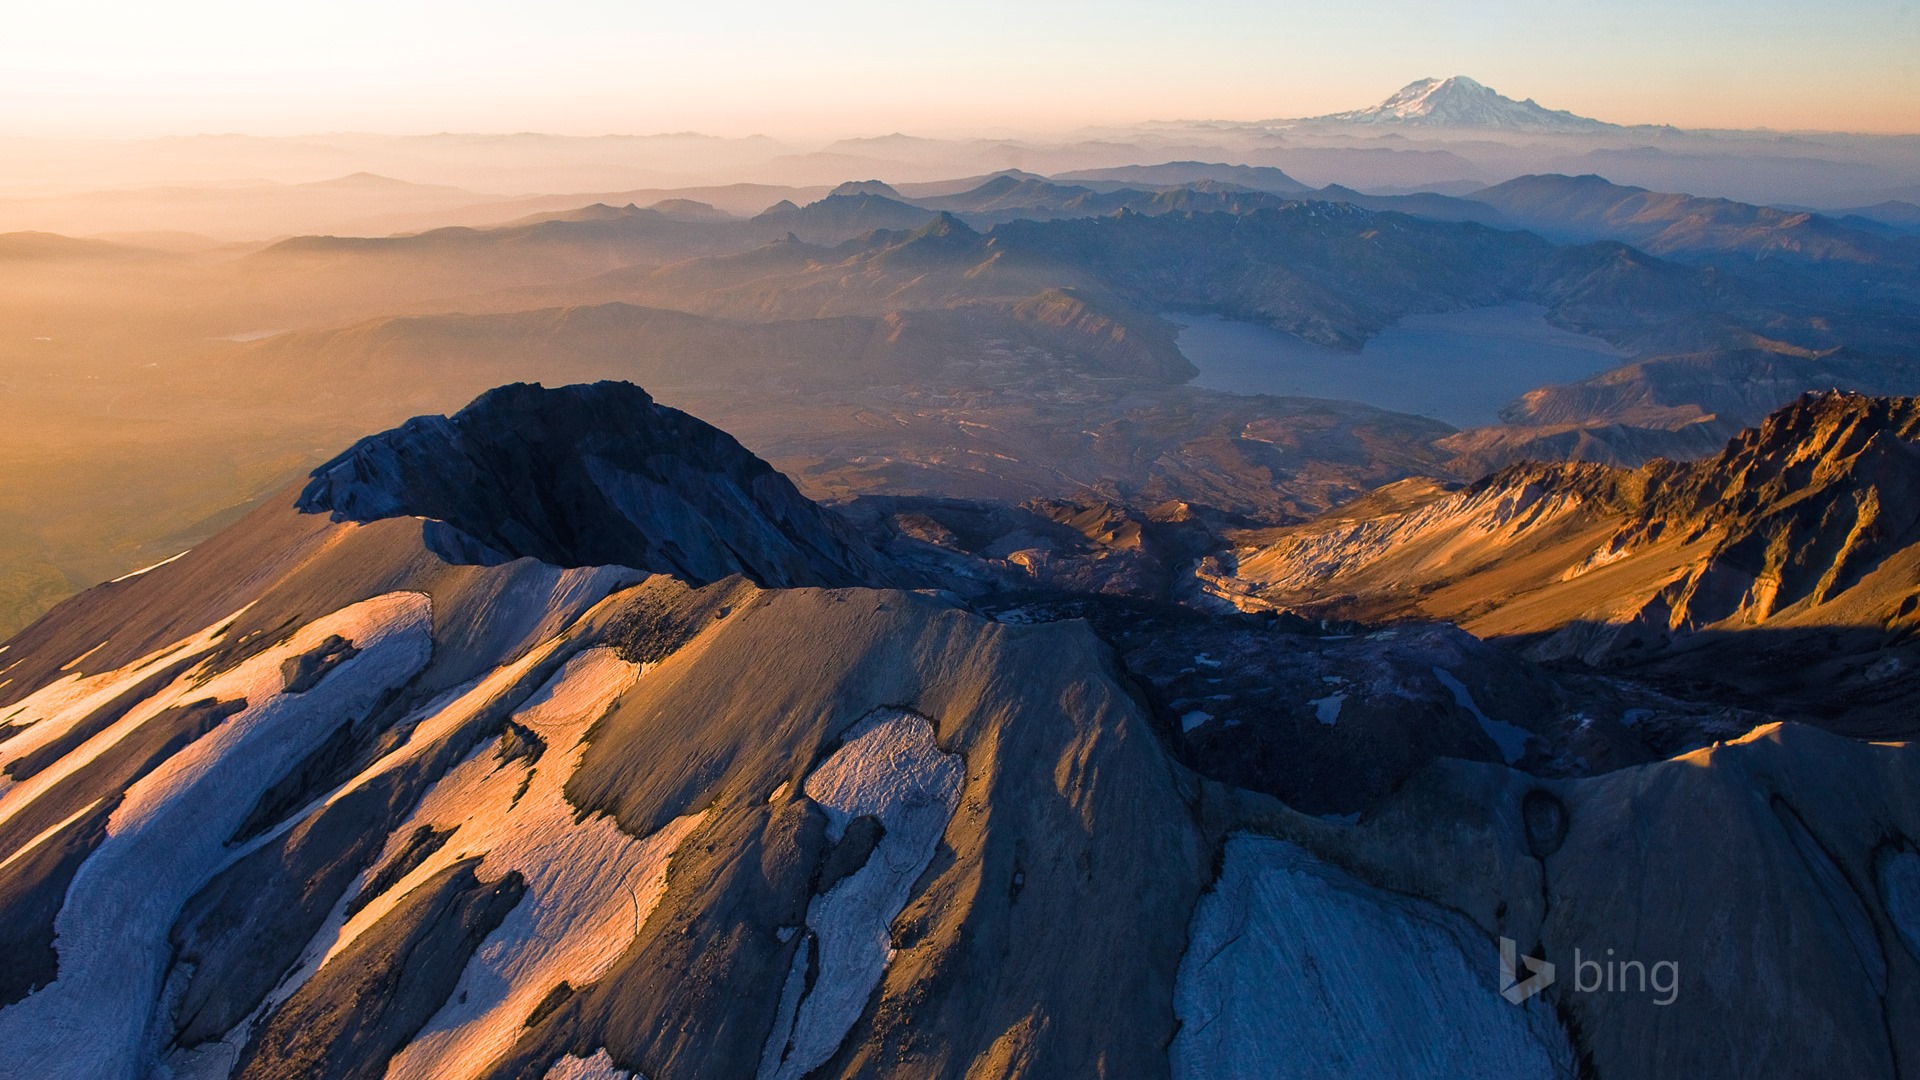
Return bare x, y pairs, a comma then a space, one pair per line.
1799, 534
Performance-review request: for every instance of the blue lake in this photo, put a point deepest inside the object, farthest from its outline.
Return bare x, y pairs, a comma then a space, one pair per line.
1459, 368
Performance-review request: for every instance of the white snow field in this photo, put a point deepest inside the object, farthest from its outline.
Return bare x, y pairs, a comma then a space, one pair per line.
590, 886
51, 711
170, 833
889, 767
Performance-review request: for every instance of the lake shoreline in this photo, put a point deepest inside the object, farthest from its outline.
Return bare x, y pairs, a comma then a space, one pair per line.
1459, 367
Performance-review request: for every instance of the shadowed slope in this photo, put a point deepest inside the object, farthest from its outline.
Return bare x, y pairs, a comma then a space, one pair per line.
587, 476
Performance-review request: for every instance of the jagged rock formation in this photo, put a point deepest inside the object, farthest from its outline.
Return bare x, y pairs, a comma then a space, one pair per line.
1809, 523
1799, 510
317, 800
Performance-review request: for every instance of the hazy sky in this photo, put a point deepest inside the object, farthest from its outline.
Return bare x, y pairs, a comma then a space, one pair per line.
135, 67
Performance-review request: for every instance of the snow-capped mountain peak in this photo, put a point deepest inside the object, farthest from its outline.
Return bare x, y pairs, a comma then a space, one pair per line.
1462, 102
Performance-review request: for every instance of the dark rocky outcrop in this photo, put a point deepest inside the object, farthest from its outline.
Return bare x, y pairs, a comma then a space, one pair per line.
305, 671
586, 476
245, 930
420, 845
31, 893
349, 1019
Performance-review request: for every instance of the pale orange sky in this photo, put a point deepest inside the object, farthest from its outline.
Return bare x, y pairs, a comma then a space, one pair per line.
118, 67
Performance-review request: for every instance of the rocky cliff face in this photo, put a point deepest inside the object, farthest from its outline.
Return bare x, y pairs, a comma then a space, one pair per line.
1799, 510
1803, 528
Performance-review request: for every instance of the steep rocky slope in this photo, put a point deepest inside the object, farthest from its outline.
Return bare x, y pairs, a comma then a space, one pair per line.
1805, 528
314, 800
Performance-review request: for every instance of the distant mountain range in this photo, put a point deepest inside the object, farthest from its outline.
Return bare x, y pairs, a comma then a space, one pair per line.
1674, 225
1460, 102
1726, 309
1173, 173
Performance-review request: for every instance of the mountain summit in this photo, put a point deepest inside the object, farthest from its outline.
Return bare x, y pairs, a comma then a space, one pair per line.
1462, 102
590, 475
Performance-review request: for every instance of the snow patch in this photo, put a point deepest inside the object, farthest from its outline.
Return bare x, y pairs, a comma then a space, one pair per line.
1605, 555
1294, 968
431, 725
889, 767
146, 569
590, 886
1510, 738
1327, 709
169, 833
598, 1067
1189, 721
49, 712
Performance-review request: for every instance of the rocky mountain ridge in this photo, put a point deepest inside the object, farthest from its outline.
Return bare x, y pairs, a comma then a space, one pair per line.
318, 800
1806, 524
620, 480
